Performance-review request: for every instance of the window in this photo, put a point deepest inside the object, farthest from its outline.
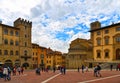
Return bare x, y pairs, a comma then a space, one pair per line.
16, 43
17, 53
11, 52
25, 44
49, 61
36, 59
25, 36
42, 62
16, 33
0, 52
11, 42
106, 40
106, 31
118, 39
118, 29
106, 54
25, 52
98, 32
11, 32
42, 56
5, 52
6, 31
5, 41
98, 54
98, 41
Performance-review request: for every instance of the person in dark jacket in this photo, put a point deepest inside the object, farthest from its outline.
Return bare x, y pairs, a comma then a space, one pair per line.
98, 70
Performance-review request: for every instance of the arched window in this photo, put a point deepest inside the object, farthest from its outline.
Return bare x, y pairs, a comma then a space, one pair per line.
25, 52
98, 54
5, 52
98, 41
16, 33
106, 51
118, 54
11, 42
106, 39
117, 38
11, 32
6, 31
11, 52
5, 41
17, 53
16, 43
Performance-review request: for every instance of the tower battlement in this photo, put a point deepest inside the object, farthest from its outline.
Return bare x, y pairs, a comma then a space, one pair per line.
21, 21
95, 25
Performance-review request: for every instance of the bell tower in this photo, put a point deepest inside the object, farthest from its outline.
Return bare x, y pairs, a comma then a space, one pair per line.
25, 41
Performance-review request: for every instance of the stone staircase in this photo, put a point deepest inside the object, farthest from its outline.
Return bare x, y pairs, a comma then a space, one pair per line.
107, 65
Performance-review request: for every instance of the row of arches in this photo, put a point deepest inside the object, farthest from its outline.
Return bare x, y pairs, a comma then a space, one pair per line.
17, 63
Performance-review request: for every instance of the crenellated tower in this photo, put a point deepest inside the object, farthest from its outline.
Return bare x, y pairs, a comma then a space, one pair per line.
25, 41
94, 26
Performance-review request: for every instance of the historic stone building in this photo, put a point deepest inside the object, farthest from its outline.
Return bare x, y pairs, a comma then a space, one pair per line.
80, 50
54, 58
39, 56
15, 43
106, 42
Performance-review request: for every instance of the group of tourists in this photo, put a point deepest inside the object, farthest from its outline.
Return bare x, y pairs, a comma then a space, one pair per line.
97, 69
84, 68
6, 71
38, 70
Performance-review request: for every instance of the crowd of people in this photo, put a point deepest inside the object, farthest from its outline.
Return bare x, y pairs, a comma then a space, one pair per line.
6, 72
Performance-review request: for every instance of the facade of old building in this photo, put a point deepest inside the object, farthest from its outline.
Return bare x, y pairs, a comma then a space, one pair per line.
80, 50
15, 44
54, 58
106, 42
39, 56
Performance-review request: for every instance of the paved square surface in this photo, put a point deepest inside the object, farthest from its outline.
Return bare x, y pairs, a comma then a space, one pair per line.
71, 76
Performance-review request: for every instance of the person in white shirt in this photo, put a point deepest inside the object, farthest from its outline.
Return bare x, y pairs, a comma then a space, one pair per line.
5, 73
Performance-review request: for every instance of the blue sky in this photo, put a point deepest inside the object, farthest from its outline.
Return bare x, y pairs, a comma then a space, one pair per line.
58, 22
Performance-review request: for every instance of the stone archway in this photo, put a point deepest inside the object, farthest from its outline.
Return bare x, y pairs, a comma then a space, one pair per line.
8, 63
17, 62
118, 54
25, 65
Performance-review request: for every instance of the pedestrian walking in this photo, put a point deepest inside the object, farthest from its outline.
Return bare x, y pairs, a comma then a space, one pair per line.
111, 67
22, 69
54, 69
98, 70
83, 68
19, 70
86, 69
37, 71
1, 72
14, 71
95, 71
64, 70
5, 73
78, 69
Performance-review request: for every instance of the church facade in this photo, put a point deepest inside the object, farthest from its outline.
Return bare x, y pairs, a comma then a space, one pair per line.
80, 50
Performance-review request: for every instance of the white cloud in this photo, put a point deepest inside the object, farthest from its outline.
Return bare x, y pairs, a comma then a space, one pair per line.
61, 15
